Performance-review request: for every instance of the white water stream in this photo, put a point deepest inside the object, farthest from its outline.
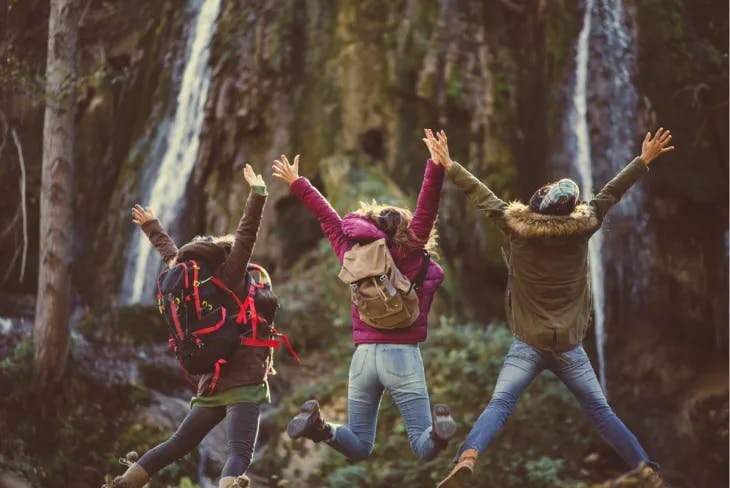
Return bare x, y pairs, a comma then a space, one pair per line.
606, 42
166, 194
582, 165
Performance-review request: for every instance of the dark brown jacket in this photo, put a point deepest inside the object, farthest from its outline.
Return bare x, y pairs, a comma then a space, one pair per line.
248, 365
548, 298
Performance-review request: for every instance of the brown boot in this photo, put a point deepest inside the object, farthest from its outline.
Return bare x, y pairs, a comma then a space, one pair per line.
234, 482
649, 477
462, 471
309, 423
643, 476
134, 477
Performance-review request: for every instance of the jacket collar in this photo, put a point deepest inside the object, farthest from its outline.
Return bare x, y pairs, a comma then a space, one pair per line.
525, 223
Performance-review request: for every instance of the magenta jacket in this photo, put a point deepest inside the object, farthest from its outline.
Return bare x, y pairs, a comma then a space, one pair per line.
345, 233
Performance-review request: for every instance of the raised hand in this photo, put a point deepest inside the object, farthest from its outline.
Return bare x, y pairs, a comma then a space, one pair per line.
285, 171
252, 178
429, 141
653, 147
140, 215
439, 146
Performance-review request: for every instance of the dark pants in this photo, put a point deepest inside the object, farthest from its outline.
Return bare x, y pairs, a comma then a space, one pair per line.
243, 426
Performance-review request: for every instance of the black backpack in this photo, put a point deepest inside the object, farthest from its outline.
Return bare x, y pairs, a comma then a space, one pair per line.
203, 332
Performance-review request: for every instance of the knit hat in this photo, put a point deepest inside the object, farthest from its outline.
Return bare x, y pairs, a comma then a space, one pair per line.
559, 198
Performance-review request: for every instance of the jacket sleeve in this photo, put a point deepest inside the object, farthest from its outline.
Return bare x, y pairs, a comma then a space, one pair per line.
611, 194
427, 206
233, 269
159, 238
479, 194
328, 217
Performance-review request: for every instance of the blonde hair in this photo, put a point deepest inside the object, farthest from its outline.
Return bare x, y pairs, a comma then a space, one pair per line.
395, 222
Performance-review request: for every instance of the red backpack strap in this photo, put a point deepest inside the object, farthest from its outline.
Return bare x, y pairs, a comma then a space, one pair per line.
285, 340
227, 290
216, 375
196, 285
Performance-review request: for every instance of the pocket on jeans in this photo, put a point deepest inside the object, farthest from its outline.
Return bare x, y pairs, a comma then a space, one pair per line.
357, 363
401, 361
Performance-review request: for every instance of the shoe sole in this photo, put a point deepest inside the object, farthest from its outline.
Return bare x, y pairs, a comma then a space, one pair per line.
303, 420
444, 426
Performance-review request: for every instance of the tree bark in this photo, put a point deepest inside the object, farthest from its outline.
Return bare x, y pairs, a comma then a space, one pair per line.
51, 332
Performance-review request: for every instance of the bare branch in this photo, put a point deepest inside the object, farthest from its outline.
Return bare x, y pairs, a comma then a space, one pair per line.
23, 204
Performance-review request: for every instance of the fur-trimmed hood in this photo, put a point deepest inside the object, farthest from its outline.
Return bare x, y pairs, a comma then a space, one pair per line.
527, 224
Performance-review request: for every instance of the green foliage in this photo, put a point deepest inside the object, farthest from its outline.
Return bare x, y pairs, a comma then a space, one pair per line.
46, 437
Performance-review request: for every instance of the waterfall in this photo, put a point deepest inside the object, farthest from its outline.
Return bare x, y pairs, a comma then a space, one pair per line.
605, 40
165, 191
580, 134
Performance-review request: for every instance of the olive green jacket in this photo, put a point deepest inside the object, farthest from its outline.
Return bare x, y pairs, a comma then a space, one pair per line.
548, 298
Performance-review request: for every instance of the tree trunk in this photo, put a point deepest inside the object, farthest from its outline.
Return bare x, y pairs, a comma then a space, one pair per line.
51, 332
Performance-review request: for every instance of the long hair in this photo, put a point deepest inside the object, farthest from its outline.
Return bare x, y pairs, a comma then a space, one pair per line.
394, 222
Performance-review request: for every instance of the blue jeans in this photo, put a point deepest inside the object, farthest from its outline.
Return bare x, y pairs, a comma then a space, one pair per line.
374, 368
522, 364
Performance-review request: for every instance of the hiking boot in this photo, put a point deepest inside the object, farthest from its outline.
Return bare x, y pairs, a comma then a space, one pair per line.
134, 477
234, 482
308, 423
462, 471
650, 477
444, 426
643, 476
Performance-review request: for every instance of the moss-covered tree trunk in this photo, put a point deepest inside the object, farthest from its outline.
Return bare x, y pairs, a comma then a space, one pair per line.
51, 334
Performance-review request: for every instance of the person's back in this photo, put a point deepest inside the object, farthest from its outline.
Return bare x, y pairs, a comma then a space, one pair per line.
549, 297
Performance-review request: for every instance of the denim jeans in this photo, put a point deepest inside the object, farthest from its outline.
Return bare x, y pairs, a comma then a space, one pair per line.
242, 429
522, 364
397, 368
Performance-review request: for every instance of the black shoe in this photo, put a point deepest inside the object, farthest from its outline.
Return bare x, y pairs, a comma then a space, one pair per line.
444, 426
308, 423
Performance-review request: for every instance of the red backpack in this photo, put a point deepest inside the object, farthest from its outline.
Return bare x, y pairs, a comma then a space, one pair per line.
203, 332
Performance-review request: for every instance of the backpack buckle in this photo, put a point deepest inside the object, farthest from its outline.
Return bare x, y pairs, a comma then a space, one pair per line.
388, 285
196, 283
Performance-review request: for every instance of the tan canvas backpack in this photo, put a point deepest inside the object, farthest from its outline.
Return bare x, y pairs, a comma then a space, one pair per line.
384, 297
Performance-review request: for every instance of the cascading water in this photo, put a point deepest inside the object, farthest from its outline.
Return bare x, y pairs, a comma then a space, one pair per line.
166, 193
578, 118
609, 86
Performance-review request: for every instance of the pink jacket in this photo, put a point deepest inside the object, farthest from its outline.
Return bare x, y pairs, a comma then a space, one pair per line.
344, 233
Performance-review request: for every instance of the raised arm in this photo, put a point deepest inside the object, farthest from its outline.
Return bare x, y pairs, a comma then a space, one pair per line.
651, 148
478, 193
427, 206
163, 243
328, 217
233, 269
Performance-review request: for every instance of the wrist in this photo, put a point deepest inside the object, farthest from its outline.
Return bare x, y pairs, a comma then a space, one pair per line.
645, 159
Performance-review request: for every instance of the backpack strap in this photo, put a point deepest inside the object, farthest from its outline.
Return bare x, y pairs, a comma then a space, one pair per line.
216, 375
196, 285
285, 340
421, 277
